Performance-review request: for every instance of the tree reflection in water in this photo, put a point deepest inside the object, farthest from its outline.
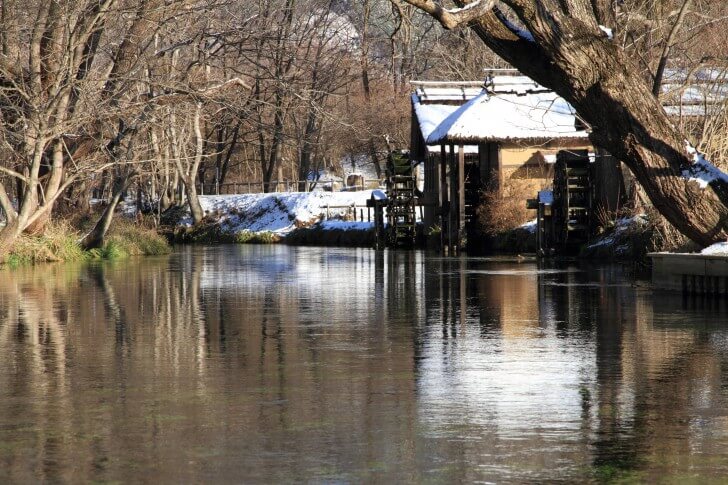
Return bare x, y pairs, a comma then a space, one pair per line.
270, 363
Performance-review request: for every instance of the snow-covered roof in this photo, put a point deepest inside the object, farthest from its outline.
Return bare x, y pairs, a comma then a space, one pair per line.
513, 85
546, 197
429, 117
532, 117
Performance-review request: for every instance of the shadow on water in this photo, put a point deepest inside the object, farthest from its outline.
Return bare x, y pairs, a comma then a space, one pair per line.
272, 363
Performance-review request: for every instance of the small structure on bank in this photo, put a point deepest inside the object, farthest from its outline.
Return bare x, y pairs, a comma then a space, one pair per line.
566, 216
472, 136
401, 199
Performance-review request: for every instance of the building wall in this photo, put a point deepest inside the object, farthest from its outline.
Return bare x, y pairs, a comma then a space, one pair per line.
525, 170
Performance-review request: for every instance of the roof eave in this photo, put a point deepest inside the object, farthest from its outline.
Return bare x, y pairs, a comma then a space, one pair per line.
459, 140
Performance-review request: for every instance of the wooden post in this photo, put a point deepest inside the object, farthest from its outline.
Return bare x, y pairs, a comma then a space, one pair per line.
483, 163
496, 162
443, 200
379, 223
609, 191
452, 224
461, 198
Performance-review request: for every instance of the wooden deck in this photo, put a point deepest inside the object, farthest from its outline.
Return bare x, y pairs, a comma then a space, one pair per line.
690, 273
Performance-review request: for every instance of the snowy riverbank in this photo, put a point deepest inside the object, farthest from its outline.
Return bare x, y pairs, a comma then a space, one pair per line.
303, 217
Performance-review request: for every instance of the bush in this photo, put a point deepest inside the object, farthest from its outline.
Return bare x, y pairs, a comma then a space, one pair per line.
632, 238
250, 237
499, 217
129, 239
500, 213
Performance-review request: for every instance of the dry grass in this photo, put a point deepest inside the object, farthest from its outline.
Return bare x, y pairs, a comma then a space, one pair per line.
60, 242
664, 236
130, 238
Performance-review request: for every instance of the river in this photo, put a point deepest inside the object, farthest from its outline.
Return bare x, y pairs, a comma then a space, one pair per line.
287, 364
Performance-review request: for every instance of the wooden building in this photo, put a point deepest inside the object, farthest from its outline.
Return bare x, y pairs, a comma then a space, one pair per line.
474, 135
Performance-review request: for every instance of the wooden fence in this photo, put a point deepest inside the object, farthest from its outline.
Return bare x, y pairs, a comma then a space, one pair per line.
233, 188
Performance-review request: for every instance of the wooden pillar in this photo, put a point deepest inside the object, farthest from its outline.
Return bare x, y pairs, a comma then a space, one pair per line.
483, 164
495, 162
461, 198
609, 190
443, 200
452, 213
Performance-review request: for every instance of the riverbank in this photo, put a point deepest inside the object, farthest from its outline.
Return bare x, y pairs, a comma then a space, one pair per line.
60, 242
321, 218
342, 219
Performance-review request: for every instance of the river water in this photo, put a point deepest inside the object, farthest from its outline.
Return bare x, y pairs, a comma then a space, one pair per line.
282, 364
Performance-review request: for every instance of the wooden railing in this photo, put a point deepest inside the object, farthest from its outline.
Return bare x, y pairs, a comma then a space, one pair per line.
232, 188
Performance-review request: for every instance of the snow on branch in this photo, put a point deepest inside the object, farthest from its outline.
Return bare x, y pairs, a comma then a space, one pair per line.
702, 171
515, 29
607, 31
456, 17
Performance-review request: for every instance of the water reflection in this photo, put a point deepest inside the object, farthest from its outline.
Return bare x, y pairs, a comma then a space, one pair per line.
271, 363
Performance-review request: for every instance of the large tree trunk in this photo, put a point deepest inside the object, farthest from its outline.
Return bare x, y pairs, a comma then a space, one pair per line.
565, 50
189, 177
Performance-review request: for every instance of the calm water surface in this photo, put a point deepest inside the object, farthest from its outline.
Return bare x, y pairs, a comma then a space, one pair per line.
279, 364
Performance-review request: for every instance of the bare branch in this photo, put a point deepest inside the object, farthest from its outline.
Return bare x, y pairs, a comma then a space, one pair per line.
457, 17
668, 46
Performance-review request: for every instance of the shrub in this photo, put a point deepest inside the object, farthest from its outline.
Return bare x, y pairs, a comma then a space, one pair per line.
250, 237
129, 239
502, 212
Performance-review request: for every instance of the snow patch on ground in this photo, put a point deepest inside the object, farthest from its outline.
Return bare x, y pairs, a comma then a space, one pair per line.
282, 212
702, 171
607, 31
530, 226
621, 226
716, 249
345, 225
